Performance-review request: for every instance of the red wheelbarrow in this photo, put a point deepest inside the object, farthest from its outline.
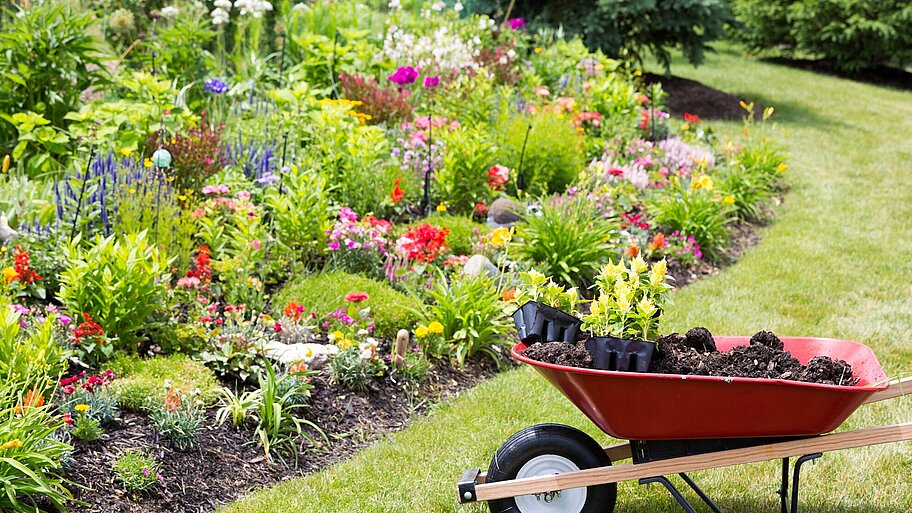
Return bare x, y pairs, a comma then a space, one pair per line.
677, 424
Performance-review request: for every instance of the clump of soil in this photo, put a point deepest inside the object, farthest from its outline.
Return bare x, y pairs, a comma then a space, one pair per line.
763, 358
695, 353
560, 353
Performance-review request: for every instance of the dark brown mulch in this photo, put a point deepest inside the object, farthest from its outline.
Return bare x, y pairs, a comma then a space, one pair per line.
226, 464
878, 75
685, 95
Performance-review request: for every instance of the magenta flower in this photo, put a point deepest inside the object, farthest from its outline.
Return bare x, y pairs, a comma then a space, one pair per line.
404, 76
516, 23
431, 82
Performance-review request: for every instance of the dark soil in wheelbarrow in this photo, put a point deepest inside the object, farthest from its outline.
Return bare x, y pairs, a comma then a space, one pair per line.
695, 354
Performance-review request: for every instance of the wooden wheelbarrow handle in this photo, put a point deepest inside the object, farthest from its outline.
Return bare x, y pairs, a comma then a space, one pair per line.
896, 388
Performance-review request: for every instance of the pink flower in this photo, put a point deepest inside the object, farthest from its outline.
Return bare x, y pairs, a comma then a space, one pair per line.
188, 282
256, 244
356, 297
277, 328
404, 76
516, 23
431, 82
244, 194
542, 91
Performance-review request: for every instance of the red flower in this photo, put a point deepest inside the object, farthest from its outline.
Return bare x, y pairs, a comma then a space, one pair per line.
692, 118
644, 124
382, 224
277, 328
67, 418
22, 266
481, 207
202, 268
423, 243
356, 297
497, 176
88, 329
398, 194
616, 172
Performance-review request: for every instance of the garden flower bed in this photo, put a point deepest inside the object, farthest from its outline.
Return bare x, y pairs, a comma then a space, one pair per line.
222, 267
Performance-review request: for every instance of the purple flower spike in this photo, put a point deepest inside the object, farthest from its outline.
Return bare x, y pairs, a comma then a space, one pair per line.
404, 76
516, 23
431, 82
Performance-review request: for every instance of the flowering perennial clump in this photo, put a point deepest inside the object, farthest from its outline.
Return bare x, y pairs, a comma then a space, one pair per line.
423, 243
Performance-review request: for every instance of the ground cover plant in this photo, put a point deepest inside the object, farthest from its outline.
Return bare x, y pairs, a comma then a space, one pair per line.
258, 227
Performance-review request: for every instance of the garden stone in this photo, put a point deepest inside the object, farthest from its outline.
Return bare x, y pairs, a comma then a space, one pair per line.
7, 234
314, 355
478, 265
503, 212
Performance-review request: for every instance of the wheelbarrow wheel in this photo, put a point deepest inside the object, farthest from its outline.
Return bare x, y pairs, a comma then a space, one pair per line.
548, 449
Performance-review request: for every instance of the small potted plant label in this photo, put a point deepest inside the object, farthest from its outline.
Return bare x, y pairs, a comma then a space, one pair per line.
548, 312
625, 315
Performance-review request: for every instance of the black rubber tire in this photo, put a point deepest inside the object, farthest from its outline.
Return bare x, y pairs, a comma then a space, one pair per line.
558, 439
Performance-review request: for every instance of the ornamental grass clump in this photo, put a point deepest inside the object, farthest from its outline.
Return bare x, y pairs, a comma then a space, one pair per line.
137, 471
631, 298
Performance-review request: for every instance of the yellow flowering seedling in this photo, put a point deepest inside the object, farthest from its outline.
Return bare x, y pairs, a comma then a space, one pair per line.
632, 297
542, 289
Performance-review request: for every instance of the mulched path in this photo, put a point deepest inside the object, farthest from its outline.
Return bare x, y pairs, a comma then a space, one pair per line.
226, 464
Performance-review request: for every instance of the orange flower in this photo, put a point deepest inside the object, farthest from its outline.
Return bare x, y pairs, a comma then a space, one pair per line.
297, 367
172, 401
631, 251
658, 242
293, 310
32, 399
398, 194
509, 295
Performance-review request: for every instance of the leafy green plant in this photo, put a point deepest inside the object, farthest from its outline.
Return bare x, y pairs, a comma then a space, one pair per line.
630, 302
415, 367
237, 406
277, 425
538, 287
299, 209
48, 57
179, 418
566, 241
325, 292
120, 281
30, 455
696, 211
41, 146
85, 427
34, 350
140, 382
137, 471
471, 315
89, 393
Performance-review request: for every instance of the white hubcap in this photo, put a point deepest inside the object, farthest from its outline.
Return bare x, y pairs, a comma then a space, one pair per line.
564, 501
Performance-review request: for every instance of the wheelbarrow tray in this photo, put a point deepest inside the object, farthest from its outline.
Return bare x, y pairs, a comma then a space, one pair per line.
647, 406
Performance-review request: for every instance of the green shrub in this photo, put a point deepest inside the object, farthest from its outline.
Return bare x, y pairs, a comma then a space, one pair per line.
141, 383
462, 181
300, 213
856, 34
623, 28
461, 239
554, 154
30, 455
325, 292
120, 281
696, 212
137, 471
566, 242
472, 316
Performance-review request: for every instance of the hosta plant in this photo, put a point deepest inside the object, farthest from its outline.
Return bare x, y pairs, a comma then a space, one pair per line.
631, 298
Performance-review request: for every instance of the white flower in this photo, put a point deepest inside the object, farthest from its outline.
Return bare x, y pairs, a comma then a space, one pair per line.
511, 53
299, 7
222, 4
363, 332
458, 7
169, 12
220, 16
394, 4
438, 6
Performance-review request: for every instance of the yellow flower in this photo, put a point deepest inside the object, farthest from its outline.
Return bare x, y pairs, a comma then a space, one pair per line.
441, 208
421, 331
126, 152
638, 73
501, 236
729, 200
132, 190
147, 162
12, 444
538, 50
182, 197
336, 335
344, 344
782, 168
685, 126
435, 327
703, 182
6, 164
10, 275
82, 408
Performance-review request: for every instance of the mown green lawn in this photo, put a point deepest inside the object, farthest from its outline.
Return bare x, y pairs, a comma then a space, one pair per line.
836, 263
